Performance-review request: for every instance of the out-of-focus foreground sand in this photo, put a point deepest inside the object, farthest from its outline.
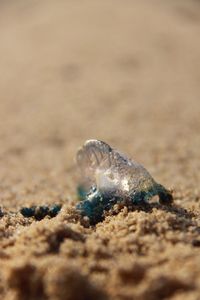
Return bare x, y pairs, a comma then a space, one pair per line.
126, 72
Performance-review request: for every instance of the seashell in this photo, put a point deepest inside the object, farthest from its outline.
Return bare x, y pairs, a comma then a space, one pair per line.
109, 177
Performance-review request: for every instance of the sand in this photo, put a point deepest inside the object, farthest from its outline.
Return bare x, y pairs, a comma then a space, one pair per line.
126, 72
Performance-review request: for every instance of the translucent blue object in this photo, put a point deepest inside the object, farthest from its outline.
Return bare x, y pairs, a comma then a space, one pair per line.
109, 177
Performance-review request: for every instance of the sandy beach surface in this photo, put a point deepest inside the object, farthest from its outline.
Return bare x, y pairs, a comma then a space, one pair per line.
126, 72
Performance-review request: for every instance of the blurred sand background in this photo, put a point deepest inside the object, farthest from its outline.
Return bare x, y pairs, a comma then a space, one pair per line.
126, 72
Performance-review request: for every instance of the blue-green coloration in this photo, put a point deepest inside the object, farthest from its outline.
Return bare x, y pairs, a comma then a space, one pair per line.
40, 212
28, 211
95, 202
165, 196
113, 178
54, 210
82, 194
